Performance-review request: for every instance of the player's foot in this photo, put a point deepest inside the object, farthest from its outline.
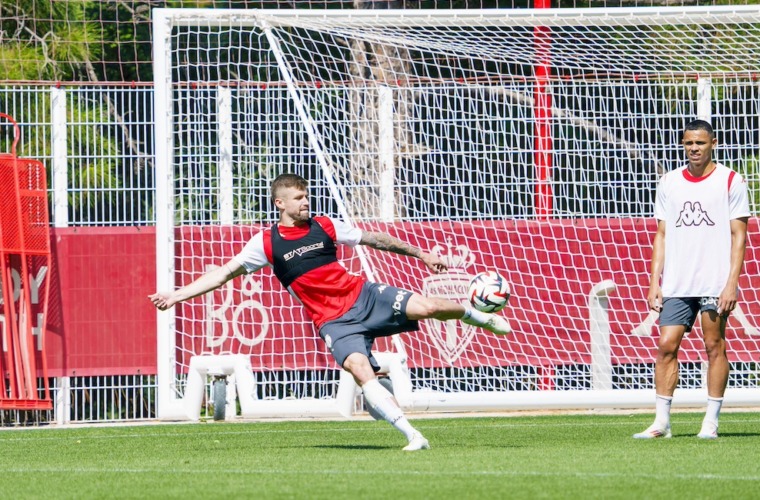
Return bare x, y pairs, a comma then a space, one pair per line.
654, 431
418, 442
709, 431
495, 324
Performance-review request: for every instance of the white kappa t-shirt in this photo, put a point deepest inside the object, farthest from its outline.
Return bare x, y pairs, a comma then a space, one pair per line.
697, 212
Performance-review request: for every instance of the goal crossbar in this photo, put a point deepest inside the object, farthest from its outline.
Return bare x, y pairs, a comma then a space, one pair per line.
622, 16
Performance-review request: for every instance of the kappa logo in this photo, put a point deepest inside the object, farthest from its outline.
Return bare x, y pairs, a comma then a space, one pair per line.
302, 250
692, 214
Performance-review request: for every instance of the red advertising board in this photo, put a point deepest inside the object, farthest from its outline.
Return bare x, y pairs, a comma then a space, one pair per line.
100, 320
102, 323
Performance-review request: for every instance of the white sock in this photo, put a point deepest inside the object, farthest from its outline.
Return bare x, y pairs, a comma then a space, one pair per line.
662, 408
713, 410
382, 401
475, 317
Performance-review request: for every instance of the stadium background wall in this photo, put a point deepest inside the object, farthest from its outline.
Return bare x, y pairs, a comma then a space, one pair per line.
101, 322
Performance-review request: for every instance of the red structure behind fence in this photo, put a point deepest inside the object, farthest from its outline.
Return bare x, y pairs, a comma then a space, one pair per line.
24, 255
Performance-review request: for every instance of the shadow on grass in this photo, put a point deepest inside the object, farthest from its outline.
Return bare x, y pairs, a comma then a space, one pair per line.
352, 447
690, 435
738, 434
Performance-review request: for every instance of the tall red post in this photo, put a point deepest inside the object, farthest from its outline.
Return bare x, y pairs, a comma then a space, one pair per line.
542, 105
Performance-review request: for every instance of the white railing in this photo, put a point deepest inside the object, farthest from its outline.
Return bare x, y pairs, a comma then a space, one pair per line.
97, 143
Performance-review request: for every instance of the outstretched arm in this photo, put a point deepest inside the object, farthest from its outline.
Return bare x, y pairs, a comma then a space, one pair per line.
209, 281
388, 243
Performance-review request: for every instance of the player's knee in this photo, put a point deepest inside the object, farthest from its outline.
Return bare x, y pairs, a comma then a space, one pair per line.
669, 343
419, 307
715, 348
667, 350
358, 365
355, 361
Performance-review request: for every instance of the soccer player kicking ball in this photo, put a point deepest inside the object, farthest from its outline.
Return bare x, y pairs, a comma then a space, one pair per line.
348, 311
702, 211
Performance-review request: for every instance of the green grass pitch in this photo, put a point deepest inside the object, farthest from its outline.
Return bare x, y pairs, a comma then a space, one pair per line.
558, 456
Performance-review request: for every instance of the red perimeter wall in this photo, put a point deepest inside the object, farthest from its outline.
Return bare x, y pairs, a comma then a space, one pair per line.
100, 321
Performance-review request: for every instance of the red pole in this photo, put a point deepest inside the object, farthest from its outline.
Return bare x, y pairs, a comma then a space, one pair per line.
542, 104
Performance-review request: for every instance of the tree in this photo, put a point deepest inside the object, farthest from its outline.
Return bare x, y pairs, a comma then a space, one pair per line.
52, 41
46, 40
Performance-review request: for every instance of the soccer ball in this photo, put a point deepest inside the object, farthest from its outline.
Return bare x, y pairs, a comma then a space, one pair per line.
488, 292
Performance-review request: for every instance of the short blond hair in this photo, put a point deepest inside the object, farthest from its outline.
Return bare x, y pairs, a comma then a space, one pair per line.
288, 181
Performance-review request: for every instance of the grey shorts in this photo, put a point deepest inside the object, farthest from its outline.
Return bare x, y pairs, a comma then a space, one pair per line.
379, 311
684, 310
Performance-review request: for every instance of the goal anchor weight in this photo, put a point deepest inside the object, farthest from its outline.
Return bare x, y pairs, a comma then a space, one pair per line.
220, 397
232, 379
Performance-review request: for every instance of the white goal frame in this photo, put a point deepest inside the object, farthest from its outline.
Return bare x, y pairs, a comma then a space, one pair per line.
172, 406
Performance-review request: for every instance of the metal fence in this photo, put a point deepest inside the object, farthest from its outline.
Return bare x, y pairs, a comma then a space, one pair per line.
97, 144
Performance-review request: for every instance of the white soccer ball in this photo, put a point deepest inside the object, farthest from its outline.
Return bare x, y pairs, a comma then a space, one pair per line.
489, 292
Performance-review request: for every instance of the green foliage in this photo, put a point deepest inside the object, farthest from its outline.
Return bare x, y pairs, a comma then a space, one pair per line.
54, 35
576, 456
21, 62
126, 34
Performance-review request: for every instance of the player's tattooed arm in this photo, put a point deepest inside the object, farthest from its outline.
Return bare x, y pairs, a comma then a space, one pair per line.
383, 241
386, 242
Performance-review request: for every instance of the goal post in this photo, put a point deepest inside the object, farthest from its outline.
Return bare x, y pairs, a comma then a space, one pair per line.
422, 124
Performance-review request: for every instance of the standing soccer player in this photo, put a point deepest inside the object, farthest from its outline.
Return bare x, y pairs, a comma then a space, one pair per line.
702, 211
348, 311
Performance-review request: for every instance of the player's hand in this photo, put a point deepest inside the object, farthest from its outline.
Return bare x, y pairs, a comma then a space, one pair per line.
162, 301
433, 262
654, 298
727, 301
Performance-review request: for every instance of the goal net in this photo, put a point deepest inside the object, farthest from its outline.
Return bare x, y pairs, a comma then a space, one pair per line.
524, 141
